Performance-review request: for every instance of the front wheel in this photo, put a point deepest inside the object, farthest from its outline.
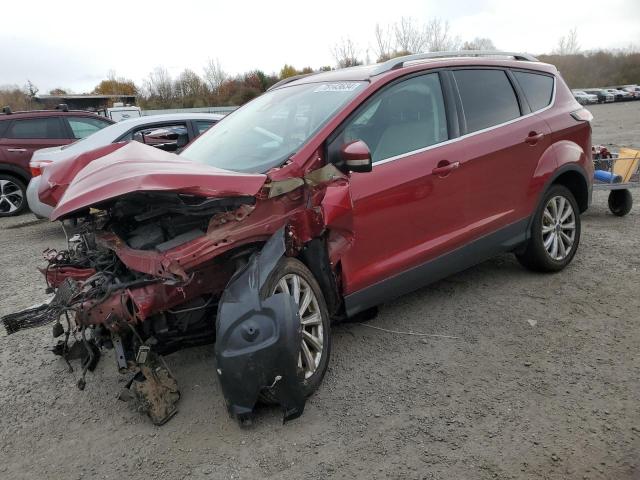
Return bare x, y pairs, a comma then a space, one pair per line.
555, 232
292, 277
12, 196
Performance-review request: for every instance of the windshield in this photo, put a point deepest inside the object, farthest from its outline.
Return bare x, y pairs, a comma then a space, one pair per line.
268, 130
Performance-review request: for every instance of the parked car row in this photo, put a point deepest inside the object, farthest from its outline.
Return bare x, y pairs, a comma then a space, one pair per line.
30, 141
606, 95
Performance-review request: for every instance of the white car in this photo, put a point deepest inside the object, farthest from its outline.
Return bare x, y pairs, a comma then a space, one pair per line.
633, 90
169, 132
584, 98
619, 94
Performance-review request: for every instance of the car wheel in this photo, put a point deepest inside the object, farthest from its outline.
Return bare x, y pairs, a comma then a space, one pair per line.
555, 232
620, 202
13, 199
291, 276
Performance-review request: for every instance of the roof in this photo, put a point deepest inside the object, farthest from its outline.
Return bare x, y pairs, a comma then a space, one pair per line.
46, 113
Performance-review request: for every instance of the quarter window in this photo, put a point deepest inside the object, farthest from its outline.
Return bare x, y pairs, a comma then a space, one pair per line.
203, 125
36, 128
537, 88
487, 98
405, 117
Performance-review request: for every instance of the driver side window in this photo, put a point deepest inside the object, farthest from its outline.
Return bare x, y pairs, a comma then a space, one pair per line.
404, 117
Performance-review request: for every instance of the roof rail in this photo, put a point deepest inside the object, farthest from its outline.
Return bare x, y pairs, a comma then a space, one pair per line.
284, 81
399, 62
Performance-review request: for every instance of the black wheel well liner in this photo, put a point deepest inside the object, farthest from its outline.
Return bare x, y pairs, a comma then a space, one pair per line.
575, 179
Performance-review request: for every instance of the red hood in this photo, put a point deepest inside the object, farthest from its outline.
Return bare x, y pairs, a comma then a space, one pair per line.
57, 176
138, 167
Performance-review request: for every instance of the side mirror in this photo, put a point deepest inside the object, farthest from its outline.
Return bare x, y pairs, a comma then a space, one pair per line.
356, 156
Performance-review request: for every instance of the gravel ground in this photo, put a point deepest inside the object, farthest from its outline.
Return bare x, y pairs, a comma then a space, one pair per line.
542, 381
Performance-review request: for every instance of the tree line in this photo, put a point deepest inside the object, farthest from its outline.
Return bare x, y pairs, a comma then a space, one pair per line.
213, 86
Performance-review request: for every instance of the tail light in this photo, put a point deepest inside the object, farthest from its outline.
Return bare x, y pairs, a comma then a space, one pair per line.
582, 115
37, 166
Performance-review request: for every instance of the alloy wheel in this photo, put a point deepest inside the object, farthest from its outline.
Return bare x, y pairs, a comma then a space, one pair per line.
311, 347
558, 228
11, 196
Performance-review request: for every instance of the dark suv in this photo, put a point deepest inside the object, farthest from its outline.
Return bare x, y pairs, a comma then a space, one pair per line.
22, 133
313, 203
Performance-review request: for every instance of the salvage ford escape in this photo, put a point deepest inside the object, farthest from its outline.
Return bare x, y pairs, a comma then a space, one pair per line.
326, 196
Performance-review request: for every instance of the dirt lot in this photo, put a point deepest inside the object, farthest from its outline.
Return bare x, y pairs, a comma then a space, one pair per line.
543, 381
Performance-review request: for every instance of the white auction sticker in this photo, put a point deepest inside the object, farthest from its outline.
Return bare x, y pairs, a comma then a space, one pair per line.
337, 87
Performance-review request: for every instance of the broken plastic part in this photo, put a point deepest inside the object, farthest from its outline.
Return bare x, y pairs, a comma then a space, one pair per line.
258, 341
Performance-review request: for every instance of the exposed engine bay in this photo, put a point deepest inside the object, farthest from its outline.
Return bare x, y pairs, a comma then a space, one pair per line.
148, 273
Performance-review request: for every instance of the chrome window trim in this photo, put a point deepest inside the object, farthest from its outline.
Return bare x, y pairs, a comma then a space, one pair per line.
477, 132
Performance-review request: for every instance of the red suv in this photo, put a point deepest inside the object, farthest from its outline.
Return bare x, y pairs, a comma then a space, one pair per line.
319, 200
22, 133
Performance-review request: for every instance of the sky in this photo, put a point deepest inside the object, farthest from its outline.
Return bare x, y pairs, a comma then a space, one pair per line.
74, 44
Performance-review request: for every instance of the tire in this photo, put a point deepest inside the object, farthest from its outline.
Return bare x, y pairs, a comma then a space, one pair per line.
554, 240
620, 202
286, 269
13, 196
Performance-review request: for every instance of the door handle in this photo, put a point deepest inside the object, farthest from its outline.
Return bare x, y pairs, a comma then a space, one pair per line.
444, 168
16, 149
533, 138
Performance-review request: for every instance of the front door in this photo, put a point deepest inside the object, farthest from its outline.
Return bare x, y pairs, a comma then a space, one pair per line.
405, 213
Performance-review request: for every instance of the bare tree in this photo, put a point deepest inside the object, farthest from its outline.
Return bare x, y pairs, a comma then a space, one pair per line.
190, 85
479, 43
438, 37
410, 37
214, 75
345, 53
31, 89
159, 85
384, 43
568, 45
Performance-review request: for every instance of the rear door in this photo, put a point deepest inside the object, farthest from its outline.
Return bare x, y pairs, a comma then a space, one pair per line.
500, 148
25, 135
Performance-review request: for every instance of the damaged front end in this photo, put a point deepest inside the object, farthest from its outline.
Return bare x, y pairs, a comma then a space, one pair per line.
168, 265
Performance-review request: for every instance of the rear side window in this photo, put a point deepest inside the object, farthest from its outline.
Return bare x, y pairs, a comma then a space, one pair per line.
537, 88
36, 128
487, 98
83, 127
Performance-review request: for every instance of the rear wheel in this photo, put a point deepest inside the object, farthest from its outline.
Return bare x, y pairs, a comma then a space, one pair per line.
555, 232
292, 277
13, 198
620, 202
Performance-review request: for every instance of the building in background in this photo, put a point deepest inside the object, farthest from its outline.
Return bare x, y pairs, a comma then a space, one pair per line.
83, 102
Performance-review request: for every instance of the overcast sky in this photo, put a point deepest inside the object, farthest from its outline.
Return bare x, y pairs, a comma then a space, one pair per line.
73, 44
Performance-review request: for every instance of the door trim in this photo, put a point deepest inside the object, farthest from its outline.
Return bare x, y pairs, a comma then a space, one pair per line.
500, 241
